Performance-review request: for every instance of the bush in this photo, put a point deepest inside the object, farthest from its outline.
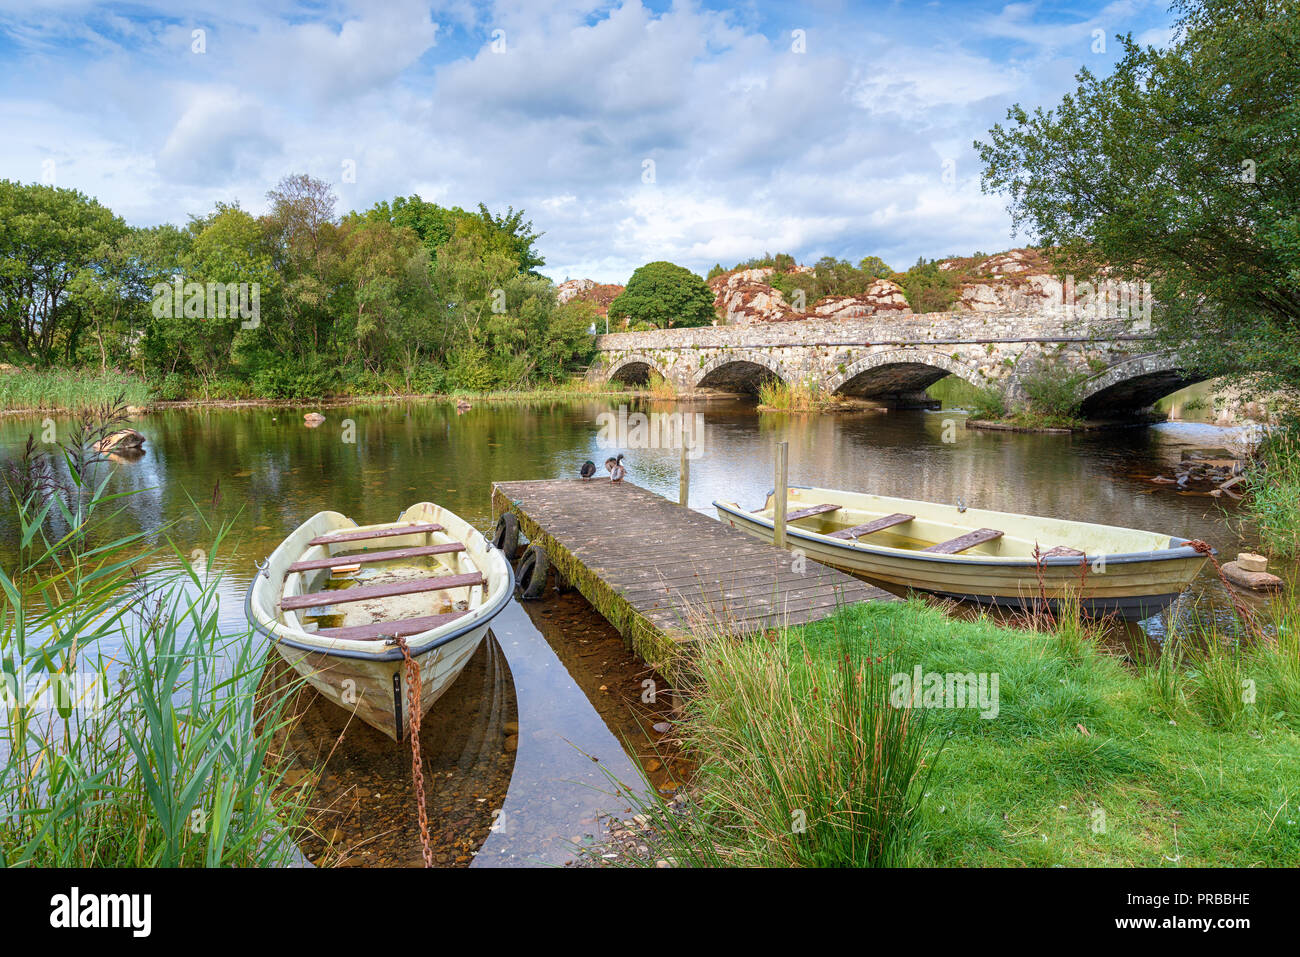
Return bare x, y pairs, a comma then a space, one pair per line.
296, 379
664, 294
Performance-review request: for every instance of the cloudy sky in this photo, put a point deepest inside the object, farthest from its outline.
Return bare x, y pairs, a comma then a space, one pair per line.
629, 131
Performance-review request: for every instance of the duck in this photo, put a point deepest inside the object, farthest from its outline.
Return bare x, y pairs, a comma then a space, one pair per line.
588, 469
614, 466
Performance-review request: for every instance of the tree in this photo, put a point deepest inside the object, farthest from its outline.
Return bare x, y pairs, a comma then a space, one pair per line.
1181, 168
663, 294
873, 267
48, 236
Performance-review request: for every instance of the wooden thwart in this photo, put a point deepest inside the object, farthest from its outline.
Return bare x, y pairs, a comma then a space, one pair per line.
810, 512
361, 536
1061, 551
363, 592
963, 542
889, 521
392, 629
356, 558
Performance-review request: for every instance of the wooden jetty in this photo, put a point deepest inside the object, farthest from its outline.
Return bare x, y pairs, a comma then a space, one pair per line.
656, 570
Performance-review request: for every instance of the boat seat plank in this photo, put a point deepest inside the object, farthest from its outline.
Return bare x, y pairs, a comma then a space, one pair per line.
391, 629
363, 592
361, 558
1061, 551
889, 521
963, 542
361, 536
810, 512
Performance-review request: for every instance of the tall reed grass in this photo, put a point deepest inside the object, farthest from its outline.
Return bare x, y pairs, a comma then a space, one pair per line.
165, 756
804, 761
1274, 500
777, 396
68, 390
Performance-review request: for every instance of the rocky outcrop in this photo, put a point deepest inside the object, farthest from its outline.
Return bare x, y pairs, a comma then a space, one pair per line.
744, 297
588, 290
884, 295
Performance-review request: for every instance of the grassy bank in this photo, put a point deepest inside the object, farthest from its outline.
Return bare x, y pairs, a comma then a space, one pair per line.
133, 732
1189, 758
71, 390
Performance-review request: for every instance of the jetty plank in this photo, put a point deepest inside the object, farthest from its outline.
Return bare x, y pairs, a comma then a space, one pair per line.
661, 573
340, 596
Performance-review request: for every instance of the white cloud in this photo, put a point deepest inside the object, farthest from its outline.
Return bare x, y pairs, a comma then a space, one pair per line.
756, 148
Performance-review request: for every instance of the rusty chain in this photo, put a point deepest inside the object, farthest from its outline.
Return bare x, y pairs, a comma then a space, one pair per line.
1244, 613
417, 768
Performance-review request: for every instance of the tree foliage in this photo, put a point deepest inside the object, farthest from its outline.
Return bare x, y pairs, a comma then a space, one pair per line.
1181, 168
663, 294
406, 296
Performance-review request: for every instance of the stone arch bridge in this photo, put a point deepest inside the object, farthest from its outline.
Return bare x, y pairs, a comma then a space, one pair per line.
1116, 368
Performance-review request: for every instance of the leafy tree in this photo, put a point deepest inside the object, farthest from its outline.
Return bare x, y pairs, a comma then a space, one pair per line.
929, 288
873, 267
663, 294
1181, 168
48, 237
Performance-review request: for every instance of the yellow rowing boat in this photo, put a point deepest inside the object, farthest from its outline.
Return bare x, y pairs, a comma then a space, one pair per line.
980, 555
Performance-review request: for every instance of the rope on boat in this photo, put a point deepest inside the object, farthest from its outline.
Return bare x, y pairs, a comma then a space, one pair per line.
417, 768
1247, 618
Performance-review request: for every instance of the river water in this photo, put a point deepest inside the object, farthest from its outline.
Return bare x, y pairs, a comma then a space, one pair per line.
518, 756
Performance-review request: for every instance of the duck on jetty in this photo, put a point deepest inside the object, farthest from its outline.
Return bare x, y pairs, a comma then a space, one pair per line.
614, 466
588, 470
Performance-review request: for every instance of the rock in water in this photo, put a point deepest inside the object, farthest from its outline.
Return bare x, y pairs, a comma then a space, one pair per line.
123, 440
1258, 581
313, 419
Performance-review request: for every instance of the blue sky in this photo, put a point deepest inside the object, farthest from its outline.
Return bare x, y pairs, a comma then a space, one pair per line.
629, 132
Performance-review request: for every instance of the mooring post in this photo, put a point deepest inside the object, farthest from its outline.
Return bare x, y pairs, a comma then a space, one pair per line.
684, 478
780, 494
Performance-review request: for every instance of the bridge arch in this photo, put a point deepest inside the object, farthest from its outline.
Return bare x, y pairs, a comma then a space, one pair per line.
741, 370
634, 368
899, 371
1134, 384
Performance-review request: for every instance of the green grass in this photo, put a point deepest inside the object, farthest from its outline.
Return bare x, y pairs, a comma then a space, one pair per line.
67, 390
1274, 500
1089, 760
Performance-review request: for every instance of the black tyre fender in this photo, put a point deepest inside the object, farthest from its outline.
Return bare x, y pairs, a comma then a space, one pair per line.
505, 535
532, 572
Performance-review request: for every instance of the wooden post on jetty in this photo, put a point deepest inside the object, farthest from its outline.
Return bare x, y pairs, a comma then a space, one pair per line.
684, 477
780, 495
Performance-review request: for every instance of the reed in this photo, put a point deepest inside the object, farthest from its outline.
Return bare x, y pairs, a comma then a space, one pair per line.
165, 756
803, 759
1274, 500
777, 396
67, 390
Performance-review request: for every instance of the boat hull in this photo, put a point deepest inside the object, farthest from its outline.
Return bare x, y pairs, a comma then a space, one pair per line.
1129, 585
378, 691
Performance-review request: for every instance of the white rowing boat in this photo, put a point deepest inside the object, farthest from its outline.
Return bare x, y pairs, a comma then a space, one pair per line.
335, 597
980, 555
